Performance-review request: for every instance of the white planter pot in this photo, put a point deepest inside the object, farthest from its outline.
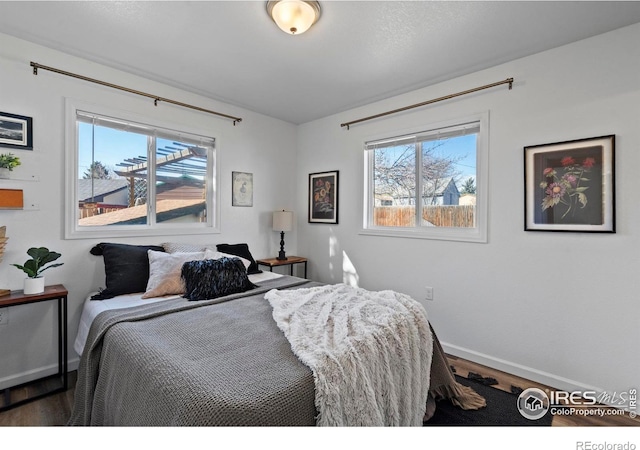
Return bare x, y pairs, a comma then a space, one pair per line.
33, 285
4, 173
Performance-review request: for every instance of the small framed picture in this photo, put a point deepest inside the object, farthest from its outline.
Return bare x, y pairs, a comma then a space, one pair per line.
16, 131
242, 189
570, 186
323, 197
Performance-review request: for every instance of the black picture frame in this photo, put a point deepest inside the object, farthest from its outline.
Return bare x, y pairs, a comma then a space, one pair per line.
323, 197
570, 186
16, 131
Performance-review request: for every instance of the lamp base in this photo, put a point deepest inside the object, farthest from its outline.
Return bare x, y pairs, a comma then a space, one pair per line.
281, 256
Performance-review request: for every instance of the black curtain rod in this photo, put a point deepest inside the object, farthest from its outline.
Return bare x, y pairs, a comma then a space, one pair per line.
155, 98
446, 97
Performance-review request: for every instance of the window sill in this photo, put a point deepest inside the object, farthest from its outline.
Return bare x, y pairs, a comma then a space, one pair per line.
440, 234
137, 232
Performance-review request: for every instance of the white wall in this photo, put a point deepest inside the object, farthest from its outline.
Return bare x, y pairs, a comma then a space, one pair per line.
560, 308
259, 144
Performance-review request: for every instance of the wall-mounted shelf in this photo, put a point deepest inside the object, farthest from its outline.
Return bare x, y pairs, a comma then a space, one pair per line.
23, 182
24, 177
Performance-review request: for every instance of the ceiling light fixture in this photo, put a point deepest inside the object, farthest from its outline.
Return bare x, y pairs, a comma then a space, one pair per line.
294, 16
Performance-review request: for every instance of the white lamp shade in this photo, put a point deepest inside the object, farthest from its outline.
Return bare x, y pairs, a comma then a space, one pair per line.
283, 220
294, 16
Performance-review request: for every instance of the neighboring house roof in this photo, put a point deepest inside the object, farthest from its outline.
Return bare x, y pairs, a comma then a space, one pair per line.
438, 186
432, 189
100, 188
383, 196
192, 191
165, 210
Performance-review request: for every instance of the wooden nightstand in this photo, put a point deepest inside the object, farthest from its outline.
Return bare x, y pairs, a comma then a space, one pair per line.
290, 261
55, 292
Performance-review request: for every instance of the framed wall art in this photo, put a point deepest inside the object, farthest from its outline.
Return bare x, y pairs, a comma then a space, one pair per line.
16, 131
242, 189
570, 186
323, 197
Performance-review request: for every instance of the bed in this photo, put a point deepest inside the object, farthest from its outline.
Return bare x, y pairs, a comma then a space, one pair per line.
235, 360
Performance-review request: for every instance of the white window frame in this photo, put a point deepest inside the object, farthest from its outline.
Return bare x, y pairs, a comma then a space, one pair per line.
74, 231
476, 234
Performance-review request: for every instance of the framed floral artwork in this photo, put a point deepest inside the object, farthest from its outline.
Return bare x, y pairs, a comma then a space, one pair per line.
570, 186
323, 197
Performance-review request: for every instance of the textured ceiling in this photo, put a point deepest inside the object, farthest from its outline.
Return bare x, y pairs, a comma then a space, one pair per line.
357, 53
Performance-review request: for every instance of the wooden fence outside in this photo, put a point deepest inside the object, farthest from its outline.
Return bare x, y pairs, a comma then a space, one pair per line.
462, 216
93, 209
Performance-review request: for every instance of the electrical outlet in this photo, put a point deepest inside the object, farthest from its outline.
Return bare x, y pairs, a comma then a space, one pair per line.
428, 293
4, 316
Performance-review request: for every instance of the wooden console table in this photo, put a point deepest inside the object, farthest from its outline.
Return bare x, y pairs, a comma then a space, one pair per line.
290, 261
55, 292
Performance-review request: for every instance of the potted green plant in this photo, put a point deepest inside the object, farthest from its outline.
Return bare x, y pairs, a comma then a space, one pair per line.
40, 257
8, 162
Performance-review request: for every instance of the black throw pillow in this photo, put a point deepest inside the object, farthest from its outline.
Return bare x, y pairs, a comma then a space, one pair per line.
213, 278
126, 268
241, 250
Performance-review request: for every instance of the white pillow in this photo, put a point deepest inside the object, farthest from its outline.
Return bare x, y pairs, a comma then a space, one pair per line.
165, 272
213, 254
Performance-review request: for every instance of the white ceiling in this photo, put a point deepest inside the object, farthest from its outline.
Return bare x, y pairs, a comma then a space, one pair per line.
358, 52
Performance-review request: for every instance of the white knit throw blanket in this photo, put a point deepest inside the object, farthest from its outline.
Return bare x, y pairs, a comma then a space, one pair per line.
370, 352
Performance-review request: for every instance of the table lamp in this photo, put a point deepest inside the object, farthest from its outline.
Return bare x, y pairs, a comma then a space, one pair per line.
282, 221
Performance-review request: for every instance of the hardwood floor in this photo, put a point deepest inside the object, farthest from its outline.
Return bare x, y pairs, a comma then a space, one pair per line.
506, 380
55, 410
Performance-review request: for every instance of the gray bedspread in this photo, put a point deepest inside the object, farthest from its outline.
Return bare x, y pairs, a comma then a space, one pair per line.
220, 362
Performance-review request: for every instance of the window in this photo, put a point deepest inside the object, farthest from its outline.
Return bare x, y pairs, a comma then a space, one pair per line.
430, 184
131, 178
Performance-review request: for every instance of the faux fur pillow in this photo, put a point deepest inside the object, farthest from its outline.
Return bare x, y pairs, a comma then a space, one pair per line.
212, 254
164, 272
213, 278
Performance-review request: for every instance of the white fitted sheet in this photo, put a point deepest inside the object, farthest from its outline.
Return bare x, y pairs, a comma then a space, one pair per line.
92, 308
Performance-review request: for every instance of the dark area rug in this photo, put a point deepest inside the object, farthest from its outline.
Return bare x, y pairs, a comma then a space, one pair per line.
501, 409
